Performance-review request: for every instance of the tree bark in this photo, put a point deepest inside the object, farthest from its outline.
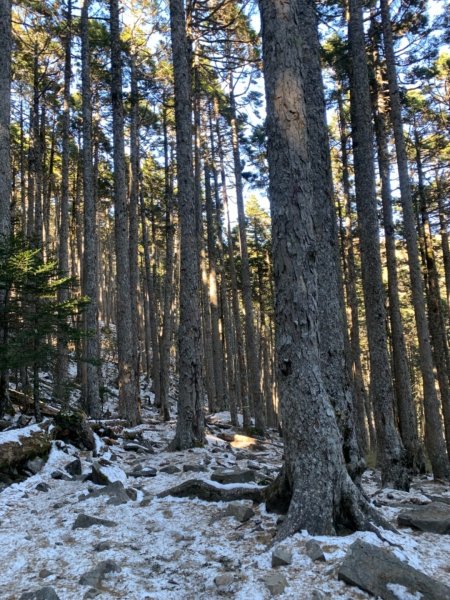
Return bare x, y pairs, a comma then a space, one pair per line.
190, 422
128, 378
390, 451
434, 436
323, 497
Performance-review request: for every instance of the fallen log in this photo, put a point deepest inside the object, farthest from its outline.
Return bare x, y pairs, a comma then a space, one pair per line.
197, 488
26, 404
17, 446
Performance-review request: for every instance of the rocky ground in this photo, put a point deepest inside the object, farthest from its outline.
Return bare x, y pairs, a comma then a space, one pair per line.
97, 524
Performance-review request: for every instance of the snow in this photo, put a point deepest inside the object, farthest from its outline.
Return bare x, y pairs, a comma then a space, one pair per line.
173, 548
14, 435
403, 593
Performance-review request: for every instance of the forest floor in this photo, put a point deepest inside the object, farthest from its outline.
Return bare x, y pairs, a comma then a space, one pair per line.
167, 548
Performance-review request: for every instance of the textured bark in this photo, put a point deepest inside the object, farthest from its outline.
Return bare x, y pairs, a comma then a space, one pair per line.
334, 359
434, 437
435, 315
190, 422
405, 403
390, 451
323, 496
128, 377
254, 387
361, 398
90, 259
5, 112
61, 390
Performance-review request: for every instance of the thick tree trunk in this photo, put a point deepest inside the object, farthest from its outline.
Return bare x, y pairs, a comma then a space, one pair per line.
323, 497
434, 436
190, 422
390, 451
128, 378
90, 259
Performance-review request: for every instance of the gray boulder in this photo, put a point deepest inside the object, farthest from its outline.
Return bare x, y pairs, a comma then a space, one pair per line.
74, 467
104, 473
84, 521
233, 476
170, 469
281, 557
314, 551
433, 517
239, 511
35, 464
380, 573
194, 468
276, 583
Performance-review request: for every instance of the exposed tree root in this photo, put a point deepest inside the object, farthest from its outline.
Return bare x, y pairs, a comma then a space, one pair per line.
196, 488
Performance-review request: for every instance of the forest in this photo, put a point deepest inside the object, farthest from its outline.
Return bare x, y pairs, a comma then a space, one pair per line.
224, 299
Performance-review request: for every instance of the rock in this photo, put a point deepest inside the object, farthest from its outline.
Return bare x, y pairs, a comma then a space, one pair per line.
61, 476
276, 583
73, 427
116, 492
314, 551
433, 517
44, 573
143, 472
45, 593
194, 468
104, 473
42, 487
380, 573
233, 476
95, 576
223, 582
316, 595
281, 557
132, 494
239, 511
84, 521
139, 448
170, 469
35, 465
102, 546
74, 467
92, 593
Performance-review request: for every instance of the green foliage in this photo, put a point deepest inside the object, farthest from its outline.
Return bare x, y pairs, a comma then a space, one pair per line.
30, 313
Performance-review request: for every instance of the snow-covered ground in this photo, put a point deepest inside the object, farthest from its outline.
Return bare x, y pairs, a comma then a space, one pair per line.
178, 548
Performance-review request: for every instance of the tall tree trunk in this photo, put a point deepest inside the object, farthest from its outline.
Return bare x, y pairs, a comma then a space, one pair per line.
61, 390
128, 378
323, 497
5, 167
402, 380
190, 422
390, 451
254, 385
90, 259
434, 436
335, 367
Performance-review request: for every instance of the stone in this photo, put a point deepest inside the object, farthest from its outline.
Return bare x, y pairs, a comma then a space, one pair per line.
35, 465
239, 511
102, 546
95, 576
380, 573
84, 521
44, 573
116, 492
281, 557
233, 476
170, 469
433, 517
74, 467
74, 428
316, 595
132, 493
139, 448
104, 473
91, 593
224, 581
45, 593
143, 472
61, 476
42, 487
276, 583
314, 551
194, 468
